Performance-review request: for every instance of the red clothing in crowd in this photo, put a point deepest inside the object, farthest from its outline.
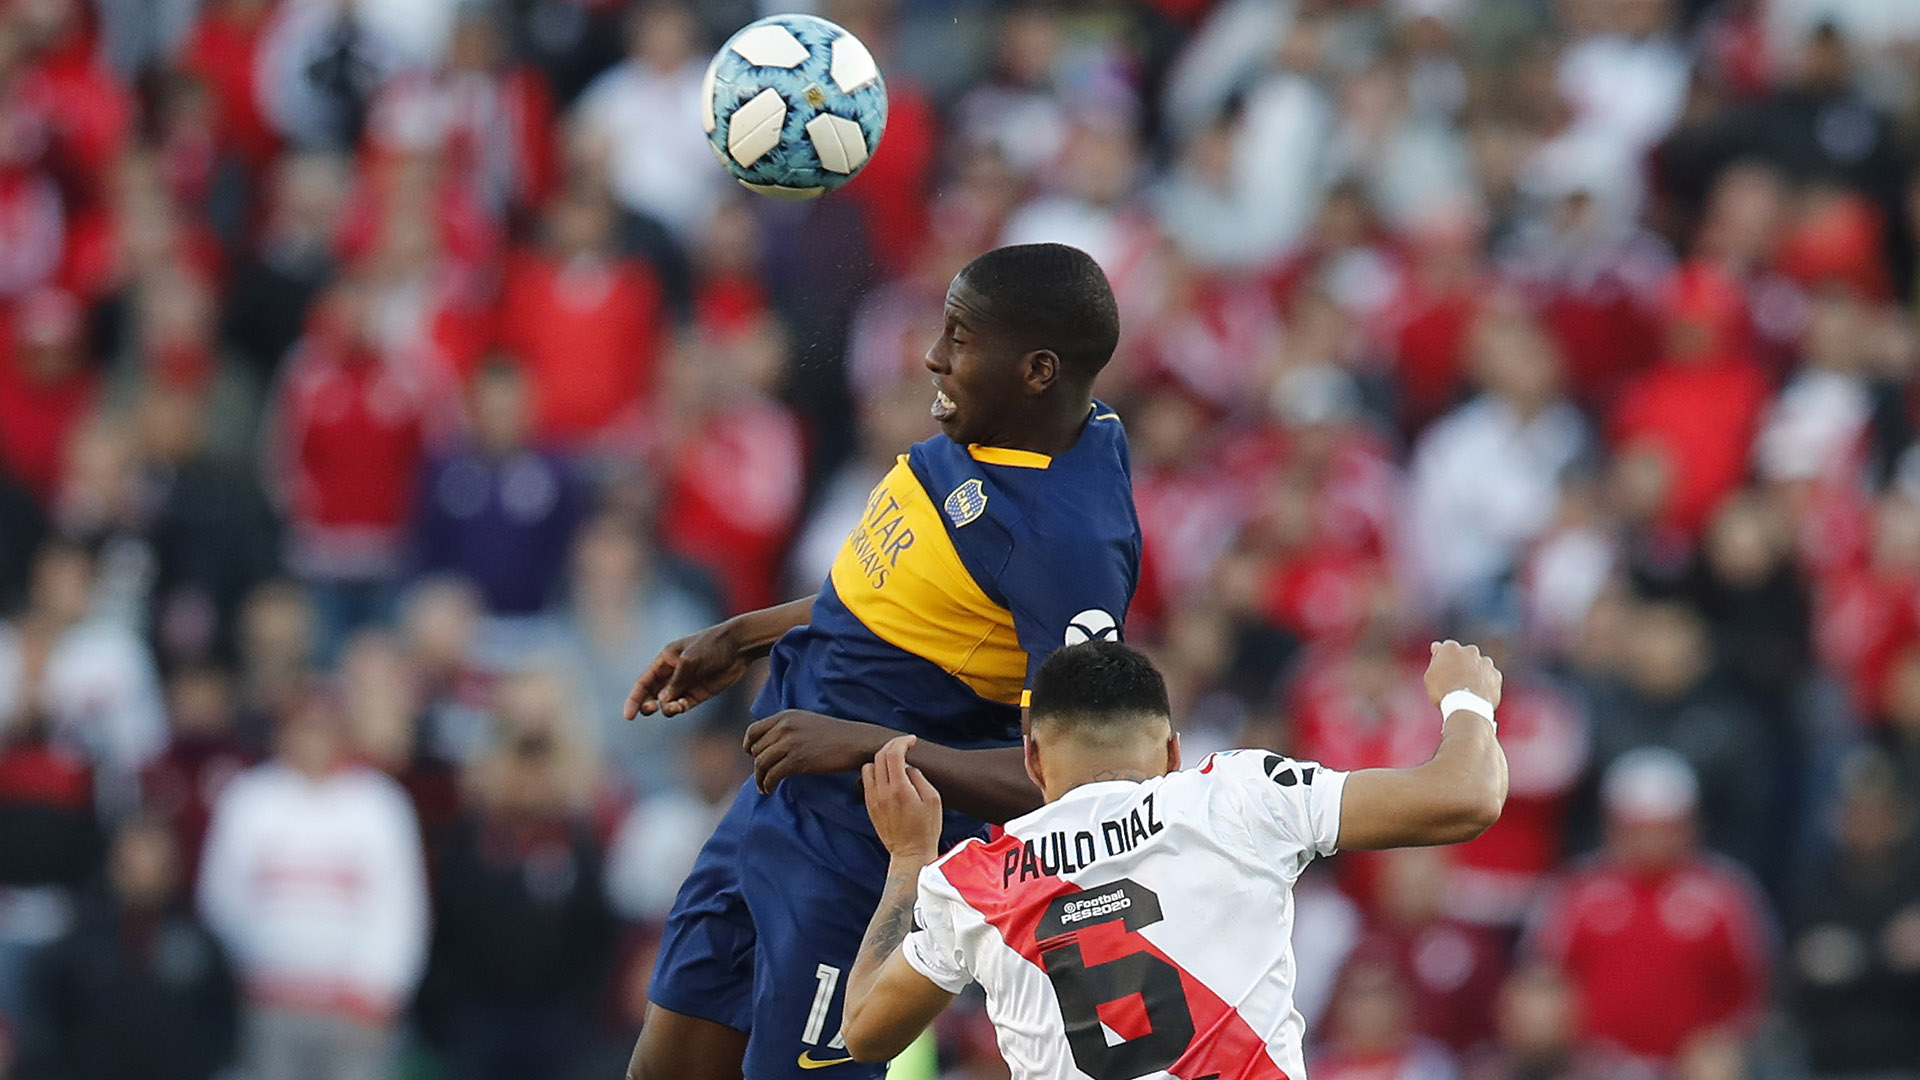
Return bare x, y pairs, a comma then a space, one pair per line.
1607, 332
223, 50
495, 130
1453, 971
1361, 712
589, 336
1701, 418
91, 114
894, 186
735, 485
1429, 354
1656, 959
353, 429
36, 418
182, 784
1862, 620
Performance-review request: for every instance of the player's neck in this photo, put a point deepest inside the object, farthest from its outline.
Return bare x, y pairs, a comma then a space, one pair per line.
1050, 427
1065, 769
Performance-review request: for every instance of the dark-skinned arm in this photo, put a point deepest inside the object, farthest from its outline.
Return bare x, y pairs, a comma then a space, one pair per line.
700, 666
991, 785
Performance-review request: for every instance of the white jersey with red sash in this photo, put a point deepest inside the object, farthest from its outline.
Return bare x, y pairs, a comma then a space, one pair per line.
1135, 930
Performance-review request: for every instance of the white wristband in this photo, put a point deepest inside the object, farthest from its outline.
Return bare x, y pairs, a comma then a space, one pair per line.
1466, 701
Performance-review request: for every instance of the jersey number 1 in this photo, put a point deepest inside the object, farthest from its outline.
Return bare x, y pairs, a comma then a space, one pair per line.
1082, 987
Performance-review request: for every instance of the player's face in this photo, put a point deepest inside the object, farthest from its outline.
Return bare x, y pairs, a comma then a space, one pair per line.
976, 372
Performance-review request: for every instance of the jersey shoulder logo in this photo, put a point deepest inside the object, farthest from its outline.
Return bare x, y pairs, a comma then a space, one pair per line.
966, 503
1282, 771
1092, 624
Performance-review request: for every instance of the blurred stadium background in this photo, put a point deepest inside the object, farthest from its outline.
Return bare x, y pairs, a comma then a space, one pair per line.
382, 382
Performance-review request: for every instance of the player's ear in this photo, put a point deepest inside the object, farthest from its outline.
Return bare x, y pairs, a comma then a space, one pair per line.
1039, 370
1032, 751
1173, 751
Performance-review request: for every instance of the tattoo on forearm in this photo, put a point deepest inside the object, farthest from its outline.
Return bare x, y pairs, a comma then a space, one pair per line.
890, 928
892, 921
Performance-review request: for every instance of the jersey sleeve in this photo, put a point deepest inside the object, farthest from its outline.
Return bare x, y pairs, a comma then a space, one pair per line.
1062, 593
1288, 805
933, 948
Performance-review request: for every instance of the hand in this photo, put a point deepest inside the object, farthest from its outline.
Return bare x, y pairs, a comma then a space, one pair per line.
904, 807
800, 743
688, 672
1461, 667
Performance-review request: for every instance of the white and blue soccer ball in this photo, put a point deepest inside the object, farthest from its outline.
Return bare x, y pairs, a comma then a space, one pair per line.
793, 106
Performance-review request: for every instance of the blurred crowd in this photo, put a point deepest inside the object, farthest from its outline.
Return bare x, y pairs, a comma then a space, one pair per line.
382, 382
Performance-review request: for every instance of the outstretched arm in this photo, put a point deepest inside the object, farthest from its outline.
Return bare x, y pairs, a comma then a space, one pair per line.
699, 666
991, 785
1455, 796
889, 1003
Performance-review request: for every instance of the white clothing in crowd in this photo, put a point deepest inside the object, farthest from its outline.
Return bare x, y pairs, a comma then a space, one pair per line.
318, 889
661, 165
1486, 481
101, 693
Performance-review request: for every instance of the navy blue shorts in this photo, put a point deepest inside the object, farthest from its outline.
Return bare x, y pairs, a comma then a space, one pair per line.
766, 928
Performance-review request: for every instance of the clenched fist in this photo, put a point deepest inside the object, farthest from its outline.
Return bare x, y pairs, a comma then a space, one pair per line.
1461, 667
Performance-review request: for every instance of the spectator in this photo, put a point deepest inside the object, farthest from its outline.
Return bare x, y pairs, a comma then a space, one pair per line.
313, 880
1373, 1034
587, 323
1452, 969
212, 534
1756, 606
522, 932
90, 680
1486, 477
1627, 80
222, 47
736, 469
380, 699
1594, 275
499, 512
1664, 945
289, 261
353, 424
138, 985
316, 71
1698, 410
1673, 696
277, 638
626, 599
662, 834
203, 753
1537, 1037
440, 625
492, 120
659, 168
1854, 949
49, 844
46, 389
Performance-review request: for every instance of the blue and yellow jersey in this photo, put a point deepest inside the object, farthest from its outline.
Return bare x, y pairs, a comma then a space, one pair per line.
968, 567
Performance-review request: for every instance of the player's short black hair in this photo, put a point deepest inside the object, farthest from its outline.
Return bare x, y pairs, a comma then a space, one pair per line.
1098, 689
1052, 297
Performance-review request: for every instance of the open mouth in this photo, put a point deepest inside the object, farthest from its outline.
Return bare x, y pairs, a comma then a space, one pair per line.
943, 406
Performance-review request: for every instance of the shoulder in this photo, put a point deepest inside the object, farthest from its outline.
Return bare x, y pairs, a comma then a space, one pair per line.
375, 791
251, 786
1724, 882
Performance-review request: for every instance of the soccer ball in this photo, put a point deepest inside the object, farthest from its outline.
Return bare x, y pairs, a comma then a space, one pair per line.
793, 106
